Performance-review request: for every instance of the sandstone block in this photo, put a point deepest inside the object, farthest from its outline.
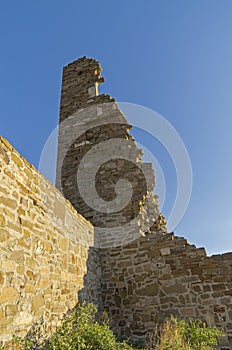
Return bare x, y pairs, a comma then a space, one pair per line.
4, 236
17, 256
174, 288
16, 159
23, 243
37, 302
59, 209
8, 294
8, 202
149, 290
2, 221
63, 243
20, 270
165, 251
23, 318
8, 265
11, 310
30, 288
1, 278
44, 283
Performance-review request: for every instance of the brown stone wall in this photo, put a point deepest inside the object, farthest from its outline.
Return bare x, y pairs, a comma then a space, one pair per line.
89, 121
80, 82
160, 275
43, 247
138, 280
50, 257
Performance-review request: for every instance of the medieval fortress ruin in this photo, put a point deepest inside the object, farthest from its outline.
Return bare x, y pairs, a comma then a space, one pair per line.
98, 235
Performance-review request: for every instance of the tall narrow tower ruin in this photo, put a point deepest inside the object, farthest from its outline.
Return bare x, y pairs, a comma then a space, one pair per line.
99, 166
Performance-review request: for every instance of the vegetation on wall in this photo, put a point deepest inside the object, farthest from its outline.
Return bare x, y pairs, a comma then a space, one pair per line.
80, 330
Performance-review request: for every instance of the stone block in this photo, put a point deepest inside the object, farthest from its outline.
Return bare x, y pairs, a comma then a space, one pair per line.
23, 318
59, 209
1, 278
8, 294
2, 220
17, 256
8, 202
165, 251
44, 283
16, 159
151, 289
37, 302
63, 243
11, 310
29, 288
4, 236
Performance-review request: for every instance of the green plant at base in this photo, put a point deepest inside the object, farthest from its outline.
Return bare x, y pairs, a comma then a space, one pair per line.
80, 331
169, 336
200, 336
186, 335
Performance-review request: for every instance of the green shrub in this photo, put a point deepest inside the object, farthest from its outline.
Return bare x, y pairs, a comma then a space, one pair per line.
185, 335
79, 330
200, 336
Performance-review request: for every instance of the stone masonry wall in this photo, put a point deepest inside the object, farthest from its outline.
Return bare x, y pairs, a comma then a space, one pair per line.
161, 275
139, 276
44, 246
50, 257
92, 125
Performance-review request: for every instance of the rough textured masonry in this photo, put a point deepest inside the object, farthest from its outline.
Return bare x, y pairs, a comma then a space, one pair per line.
150, 274
93, 135
44, 246
128, 264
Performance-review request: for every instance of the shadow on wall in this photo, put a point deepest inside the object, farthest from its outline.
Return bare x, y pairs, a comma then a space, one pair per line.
152, 278
92, 292
155, 277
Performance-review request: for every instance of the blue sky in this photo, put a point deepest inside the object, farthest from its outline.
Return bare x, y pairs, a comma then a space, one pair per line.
174, 57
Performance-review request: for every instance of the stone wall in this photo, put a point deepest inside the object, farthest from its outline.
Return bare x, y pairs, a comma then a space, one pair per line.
143, 274
94, 140
50, 257
44, 246
161, 275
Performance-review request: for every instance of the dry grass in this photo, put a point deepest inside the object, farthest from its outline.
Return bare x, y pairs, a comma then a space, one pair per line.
169, 336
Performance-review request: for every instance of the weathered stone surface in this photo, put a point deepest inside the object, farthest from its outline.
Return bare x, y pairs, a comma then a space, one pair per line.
37, 302
85, 123
165, 251
34, 244
8, 294
11, 310
48, 260
23, 318
154, 276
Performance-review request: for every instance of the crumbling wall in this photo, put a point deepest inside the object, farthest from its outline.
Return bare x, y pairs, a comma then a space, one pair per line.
50, 255
161, 275
94, 139
141, 280
44, 246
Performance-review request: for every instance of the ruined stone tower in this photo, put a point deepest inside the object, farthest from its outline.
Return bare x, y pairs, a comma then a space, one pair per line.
117, 254
94, 140
136, 271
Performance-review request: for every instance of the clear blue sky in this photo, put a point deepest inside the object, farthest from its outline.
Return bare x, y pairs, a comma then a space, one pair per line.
174, 57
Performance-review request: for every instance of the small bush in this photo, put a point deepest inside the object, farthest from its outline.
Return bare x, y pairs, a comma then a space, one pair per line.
184, 335
199, 335
79, 330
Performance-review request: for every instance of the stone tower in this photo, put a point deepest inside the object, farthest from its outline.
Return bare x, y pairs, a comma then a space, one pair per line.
99, 166
136, 271
51, 257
